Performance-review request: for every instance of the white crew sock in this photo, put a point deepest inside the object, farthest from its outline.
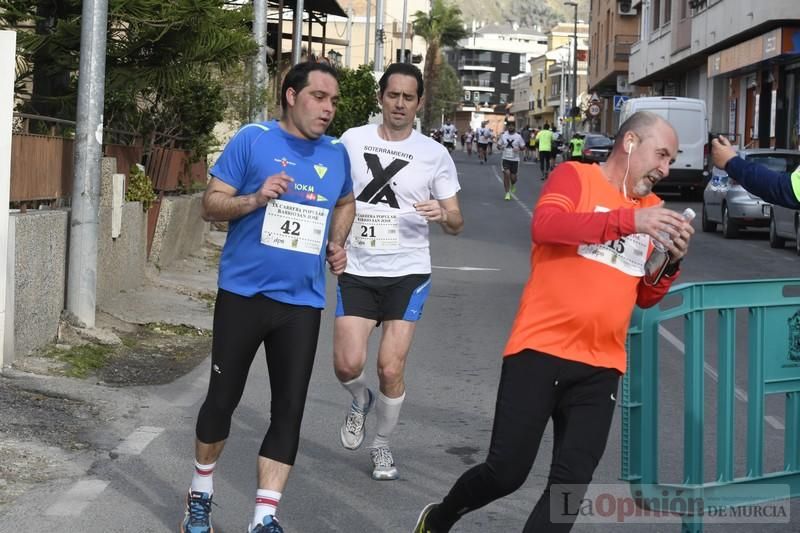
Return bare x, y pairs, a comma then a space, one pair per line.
203, 478
266, 504
358, 388
387, 413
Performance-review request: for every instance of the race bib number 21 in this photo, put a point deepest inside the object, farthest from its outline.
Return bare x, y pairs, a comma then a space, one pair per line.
295, 227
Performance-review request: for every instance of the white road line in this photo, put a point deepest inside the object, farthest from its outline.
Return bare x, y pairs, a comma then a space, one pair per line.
75, 500
138, 440
514, 196
739, 393
467, 269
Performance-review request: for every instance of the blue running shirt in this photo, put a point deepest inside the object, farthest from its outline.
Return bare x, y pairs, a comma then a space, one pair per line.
321, 172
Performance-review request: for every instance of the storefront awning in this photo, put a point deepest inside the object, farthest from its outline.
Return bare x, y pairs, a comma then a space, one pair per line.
778, 42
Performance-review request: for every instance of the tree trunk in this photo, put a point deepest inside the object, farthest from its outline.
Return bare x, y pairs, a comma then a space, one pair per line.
432, 60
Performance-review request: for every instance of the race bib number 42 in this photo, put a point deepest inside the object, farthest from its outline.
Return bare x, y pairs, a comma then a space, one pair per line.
375, 230
296, 227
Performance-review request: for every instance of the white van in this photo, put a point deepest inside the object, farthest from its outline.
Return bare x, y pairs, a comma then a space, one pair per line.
688, 116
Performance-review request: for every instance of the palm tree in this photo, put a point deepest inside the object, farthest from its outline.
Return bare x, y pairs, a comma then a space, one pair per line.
443, 26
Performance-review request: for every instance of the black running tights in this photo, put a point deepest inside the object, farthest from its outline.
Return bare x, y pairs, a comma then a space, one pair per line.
535, 387
289, 334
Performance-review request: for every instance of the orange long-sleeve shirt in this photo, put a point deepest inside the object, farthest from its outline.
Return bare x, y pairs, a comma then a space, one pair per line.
587, 265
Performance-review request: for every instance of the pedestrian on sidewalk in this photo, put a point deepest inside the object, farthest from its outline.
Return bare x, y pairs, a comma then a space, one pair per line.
285, 189
403, 181
592, 231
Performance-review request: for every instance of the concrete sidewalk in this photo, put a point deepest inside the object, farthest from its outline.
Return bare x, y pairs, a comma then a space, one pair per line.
182, 293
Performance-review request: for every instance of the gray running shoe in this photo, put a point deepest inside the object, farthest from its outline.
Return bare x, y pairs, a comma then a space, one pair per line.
383, 464
352, 430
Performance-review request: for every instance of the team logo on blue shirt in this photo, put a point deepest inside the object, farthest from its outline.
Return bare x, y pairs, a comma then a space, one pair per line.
321, 170
284, 162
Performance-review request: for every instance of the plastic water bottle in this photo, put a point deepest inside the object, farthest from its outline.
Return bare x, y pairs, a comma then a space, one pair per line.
657, 262
688, 215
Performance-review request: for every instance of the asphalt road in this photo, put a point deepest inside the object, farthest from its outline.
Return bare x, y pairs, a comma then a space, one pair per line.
446, 421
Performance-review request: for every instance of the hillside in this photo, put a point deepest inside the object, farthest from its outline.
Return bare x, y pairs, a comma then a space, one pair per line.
542, 13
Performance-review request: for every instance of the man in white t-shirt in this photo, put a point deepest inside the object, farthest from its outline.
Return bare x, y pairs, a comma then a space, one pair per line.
510, 145
484, 136
449, 135
403, 181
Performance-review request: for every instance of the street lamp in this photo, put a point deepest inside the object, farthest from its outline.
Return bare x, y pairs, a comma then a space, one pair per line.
574, 94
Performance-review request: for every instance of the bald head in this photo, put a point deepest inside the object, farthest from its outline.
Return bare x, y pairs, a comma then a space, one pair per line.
641, 124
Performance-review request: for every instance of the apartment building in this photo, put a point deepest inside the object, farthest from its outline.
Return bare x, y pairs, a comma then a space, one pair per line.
741, 57
613, 29
552, 74
486, 62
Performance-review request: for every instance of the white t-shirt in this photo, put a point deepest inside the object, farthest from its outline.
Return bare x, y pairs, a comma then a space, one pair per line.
484, 135
511, 144
389, 238
448, 133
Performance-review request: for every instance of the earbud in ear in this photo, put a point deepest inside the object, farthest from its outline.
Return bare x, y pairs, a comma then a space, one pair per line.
630, 146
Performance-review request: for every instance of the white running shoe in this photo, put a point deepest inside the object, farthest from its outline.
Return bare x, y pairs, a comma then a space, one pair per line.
352, 430
383, 464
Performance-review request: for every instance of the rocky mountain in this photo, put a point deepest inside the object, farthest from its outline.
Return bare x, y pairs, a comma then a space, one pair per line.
527, 13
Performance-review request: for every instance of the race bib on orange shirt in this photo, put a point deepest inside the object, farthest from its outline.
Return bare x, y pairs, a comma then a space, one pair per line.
627, 254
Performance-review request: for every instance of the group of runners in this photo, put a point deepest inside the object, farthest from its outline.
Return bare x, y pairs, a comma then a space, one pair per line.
297, 200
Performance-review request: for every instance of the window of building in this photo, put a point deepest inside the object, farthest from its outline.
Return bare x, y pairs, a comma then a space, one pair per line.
655, 14
476, 96
505, 58
667, 11
503, 98
504, 77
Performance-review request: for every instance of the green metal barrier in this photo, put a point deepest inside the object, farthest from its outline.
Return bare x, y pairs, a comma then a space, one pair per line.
773, 354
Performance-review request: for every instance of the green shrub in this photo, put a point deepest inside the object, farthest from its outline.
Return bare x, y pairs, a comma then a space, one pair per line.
140, 188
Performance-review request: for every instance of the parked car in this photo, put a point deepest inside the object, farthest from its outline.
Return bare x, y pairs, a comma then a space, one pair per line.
727, 203
596, 148
784, 224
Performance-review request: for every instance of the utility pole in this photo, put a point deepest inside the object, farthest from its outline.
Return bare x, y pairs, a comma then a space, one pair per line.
297, 32
82, 279
574, 94
379, 36
8, 50
403, 33
366, 32
260, 64
349, 33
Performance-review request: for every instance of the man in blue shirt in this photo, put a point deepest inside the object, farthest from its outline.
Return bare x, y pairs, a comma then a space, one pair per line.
781, 188
285, 189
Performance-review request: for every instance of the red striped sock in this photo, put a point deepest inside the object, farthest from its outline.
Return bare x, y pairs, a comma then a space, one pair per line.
266, 504
203, 478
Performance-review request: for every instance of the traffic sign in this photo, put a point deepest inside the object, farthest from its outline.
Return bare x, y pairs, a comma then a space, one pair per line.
620, 99
594, 110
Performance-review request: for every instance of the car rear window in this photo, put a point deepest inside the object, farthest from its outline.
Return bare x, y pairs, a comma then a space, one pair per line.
776, 162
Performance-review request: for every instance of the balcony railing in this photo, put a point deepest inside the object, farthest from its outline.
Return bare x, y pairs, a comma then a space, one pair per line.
465, 63
476, 83
622, 46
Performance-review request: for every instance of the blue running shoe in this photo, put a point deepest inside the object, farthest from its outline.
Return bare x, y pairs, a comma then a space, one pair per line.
198, 507
268, 525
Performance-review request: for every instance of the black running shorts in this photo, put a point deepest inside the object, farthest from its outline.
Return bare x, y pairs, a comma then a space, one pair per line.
382, 298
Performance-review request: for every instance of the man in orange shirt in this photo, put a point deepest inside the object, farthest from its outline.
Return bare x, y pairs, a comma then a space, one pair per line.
592, 233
